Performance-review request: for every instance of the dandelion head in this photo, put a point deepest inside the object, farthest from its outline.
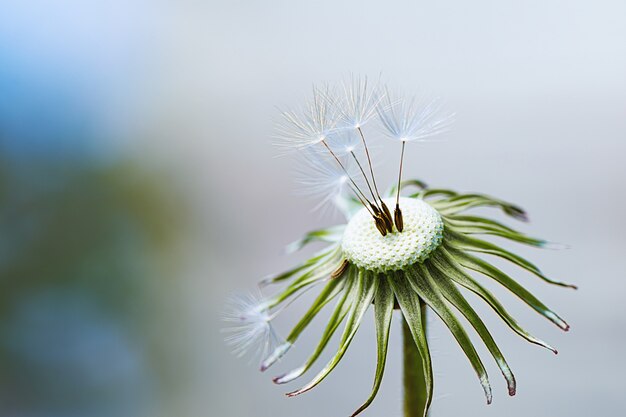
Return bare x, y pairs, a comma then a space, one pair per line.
363, 246
399, 252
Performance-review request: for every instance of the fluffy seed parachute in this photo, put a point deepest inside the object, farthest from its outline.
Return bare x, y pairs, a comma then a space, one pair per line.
416, 262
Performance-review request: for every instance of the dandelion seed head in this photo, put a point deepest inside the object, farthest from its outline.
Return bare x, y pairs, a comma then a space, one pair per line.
391, 251
364, 246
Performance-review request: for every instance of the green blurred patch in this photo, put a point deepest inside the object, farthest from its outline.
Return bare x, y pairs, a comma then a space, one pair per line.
111, 237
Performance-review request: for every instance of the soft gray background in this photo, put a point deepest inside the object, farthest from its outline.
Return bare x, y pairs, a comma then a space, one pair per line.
539, 88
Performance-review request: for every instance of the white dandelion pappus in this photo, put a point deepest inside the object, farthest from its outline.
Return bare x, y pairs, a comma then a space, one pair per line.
413, 119
320, 176
310, 125
250, 330
344, 141
359, 101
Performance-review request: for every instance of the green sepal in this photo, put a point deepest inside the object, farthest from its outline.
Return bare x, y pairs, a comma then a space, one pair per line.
330, 234
311, 276
495, 229
451, 293
482, 221
310, 263
461, 241
432, 192
341, 310
443, 259
391, 192
476, 264
383, 313
462, 202
330, 291
409, 302
366, 290
422, 282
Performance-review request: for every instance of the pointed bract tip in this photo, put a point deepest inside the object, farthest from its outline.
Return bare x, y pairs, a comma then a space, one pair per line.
554, 245
300, 391
267, 280
547, 346
357, 412
516, 212
278, 353
487, 388
291, 248
550, 348
289, 376
563, 326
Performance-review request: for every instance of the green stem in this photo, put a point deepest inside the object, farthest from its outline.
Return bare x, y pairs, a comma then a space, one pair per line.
415, 394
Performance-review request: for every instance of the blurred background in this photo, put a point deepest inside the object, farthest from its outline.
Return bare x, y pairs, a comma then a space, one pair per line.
138, 188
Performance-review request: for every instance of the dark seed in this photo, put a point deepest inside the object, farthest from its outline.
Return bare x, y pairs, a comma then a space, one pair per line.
398, 219
381, 226
386, 209
375, 209
340, 270
386, 215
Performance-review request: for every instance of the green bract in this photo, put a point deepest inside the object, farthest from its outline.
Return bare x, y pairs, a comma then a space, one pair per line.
436, 258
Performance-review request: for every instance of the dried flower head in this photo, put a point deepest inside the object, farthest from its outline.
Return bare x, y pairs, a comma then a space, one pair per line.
419, 258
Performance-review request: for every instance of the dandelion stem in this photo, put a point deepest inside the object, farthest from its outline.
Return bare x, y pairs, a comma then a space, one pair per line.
369, 162
397, 213
415, 389
366, 180
400, 174
362, 202
356, 187
383, 210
